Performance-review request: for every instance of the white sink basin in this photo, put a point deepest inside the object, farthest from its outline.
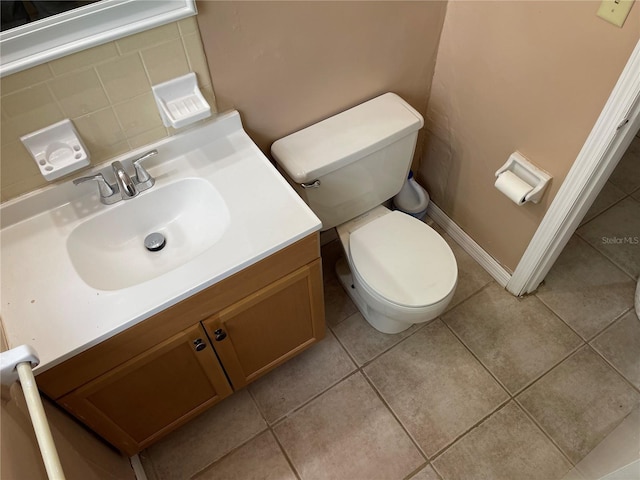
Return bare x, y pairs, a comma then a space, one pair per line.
75, 272
108, 252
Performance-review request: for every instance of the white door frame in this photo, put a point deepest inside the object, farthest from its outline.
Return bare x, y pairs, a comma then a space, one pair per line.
607, 142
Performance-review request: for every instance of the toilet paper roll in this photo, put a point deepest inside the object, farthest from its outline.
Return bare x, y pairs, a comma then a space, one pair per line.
513, 187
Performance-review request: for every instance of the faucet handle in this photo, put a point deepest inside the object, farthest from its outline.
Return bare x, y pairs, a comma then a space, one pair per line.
142, 176
106, 191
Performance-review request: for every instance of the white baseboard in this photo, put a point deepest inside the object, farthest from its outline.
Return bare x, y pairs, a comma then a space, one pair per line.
486, 261
138, 469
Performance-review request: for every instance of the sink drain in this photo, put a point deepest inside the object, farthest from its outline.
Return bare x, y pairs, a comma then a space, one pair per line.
154, 242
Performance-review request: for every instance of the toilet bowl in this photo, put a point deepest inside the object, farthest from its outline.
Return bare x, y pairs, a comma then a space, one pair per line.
398, 270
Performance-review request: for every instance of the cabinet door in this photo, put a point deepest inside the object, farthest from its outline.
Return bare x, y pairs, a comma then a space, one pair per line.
270, 326
136, 403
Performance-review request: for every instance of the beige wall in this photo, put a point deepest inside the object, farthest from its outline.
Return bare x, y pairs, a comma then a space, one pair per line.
286, 65
105, 91
527, 76
82, 455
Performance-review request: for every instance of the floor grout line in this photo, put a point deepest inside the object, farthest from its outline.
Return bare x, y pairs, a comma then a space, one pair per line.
533, 418
267, 428
455, 335
471, 295
295, 410
286, 455
604, 255
353, 359
608, 327
596, 335
391, 347
512, 397
453, 442
607, 208
393, 414
559, 317
360, 369
539, 377
545, 433
292, 412
413, 473
229, 453
531, 382
609, 364
573, 329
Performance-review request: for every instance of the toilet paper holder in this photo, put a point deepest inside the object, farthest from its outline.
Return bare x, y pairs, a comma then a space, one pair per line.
538, 179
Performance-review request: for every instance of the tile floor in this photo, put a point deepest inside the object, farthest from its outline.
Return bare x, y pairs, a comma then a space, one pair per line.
497, 388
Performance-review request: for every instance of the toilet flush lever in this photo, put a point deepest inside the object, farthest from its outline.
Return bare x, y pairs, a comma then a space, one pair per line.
314, 184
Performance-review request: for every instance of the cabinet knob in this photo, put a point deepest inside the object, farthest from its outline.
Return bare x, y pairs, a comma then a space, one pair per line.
200, 345
220, 334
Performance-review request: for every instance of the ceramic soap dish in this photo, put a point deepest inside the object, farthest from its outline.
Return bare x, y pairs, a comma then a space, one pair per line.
180, 101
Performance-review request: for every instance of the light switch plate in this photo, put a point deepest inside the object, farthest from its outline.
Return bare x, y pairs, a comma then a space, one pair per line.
615, 12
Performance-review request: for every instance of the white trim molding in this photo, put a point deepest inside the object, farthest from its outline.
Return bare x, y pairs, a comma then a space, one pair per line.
607, 142
486, 261
53, 37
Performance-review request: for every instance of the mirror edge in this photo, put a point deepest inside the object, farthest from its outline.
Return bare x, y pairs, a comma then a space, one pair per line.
40, 42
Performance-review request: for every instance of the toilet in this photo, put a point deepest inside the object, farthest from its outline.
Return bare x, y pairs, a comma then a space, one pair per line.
398, 270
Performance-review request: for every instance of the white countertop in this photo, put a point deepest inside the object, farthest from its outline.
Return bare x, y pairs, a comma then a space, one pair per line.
45, 303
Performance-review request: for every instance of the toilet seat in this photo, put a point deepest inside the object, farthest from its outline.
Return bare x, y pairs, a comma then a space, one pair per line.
403, 261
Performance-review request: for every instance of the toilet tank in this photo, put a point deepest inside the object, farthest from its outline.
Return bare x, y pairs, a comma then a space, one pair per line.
350, 163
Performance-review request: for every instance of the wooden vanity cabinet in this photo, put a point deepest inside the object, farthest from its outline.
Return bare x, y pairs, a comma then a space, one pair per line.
141, 384
147, 396
270, 326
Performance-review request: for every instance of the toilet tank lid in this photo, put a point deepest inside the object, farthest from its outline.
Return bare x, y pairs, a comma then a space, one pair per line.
346, 137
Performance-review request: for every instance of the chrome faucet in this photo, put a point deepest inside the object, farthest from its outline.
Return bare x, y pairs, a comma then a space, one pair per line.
126, 187
107, 193
125, 184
